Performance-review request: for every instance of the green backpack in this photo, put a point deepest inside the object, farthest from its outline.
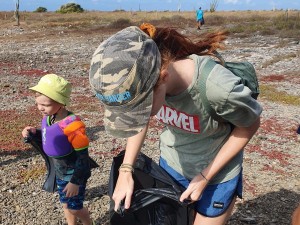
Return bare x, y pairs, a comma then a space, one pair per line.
244, 70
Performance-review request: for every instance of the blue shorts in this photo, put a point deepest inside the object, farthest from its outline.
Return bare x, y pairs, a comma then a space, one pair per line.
201, 20
75, 202
216, 198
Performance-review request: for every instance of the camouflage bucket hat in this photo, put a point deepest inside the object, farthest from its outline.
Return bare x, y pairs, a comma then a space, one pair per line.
124, 70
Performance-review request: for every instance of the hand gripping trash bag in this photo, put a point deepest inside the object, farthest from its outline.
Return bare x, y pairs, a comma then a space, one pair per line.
50, 182
155, 200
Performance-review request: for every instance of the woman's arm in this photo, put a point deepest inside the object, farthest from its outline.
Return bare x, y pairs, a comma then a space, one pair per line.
125, 183
237, 140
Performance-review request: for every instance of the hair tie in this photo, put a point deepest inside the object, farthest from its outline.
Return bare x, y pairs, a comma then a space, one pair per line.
148, 28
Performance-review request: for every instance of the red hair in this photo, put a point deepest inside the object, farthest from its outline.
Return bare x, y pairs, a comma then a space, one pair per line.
175, 46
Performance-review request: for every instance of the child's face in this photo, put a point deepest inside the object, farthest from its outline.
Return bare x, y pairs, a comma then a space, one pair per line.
46, 105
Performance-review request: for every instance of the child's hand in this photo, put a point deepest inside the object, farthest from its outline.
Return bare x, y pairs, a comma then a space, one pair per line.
25, 132
71, 190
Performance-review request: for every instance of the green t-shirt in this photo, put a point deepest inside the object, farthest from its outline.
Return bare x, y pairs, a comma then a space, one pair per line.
192, 138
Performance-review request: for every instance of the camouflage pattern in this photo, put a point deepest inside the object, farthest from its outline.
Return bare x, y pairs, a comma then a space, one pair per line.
124, 70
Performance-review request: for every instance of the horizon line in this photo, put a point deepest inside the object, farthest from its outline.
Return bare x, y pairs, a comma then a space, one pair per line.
123, 10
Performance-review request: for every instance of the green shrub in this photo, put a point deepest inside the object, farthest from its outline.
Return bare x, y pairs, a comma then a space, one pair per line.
119, 10
41, 9
70, 8
214, 5
120, 23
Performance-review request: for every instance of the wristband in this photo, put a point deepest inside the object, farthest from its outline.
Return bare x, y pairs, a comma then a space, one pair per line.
204, 176
125, 171
127, 167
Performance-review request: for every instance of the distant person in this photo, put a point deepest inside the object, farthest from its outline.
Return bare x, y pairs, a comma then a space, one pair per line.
64, 139
200, 18
147, 71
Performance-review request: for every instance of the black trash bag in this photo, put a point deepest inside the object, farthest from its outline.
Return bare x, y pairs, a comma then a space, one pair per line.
50, 182
202, 21
155, 200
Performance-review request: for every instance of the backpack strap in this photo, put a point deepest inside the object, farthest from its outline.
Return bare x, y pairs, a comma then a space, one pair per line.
207, 68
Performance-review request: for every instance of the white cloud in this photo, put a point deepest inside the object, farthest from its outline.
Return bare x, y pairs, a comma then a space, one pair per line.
231, 1
234, 2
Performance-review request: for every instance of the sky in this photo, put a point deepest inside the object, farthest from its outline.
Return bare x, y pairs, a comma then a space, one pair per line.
151, 5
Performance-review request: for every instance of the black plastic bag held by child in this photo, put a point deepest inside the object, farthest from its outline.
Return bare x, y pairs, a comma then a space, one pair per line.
155, 200
50, 182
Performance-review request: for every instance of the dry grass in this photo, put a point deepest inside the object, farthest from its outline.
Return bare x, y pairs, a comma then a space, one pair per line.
32, 173
279, 58
272, 94
281, 23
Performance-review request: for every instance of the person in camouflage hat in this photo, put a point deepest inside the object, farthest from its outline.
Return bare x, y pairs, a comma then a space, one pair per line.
125, 85
147, 71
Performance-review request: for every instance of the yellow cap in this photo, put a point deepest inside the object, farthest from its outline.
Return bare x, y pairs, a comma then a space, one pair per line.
54, 87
